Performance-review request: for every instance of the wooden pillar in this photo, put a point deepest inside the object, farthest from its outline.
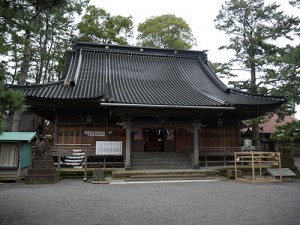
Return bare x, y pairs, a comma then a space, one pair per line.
56, 130
128, 144
196, 146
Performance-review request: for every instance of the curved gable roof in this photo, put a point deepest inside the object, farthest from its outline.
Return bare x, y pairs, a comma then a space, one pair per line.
134, 75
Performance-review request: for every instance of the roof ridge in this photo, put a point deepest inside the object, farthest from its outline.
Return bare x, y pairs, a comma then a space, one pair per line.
132, 46
139, 50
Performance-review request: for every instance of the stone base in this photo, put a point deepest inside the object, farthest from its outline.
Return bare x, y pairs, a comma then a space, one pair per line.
42, 171
98, 175
231, 174
47, 179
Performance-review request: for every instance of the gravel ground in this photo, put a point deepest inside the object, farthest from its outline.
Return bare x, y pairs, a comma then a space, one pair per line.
217, 202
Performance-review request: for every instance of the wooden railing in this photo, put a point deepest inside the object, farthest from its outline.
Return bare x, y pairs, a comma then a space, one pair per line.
258, 161
217, 155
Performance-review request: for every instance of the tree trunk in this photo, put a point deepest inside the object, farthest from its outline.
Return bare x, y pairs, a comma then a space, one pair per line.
22, 77
16, 121
26, 59
253, 88
44, 39
255, 134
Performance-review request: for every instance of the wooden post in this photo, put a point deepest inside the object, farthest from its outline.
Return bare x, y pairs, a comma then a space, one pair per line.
56, 129
260, 155
85, 163
104, 162
235, 166
253, 169
58, 158
128, 143
196, 146
279, 165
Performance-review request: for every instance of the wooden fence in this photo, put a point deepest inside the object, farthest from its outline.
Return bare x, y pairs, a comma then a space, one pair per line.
218, 155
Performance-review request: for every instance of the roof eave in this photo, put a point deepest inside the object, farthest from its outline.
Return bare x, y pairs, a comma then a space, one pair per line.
166, 106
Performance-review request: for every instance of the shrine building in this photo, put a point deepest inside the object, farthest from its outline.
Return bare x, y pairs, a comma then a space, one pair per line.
147, 99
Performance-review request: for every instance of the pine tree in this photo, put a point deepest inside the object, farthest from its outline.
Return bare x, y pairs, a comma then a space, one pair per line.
253, 28
9, 100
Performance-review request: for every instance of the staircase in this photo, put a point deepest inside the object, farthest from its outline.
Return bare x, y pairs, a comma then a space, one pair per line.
165, 174
160, 160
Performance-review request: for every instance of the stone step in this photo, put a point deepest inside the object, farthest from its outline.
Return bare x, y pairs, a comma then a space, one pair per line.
161, 166
171, 179
153, 177
165, 173
160, 160
157, 155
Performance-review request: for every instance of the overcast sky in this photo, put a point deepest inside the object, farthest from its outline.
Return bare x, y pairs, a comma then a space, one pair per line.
199, 15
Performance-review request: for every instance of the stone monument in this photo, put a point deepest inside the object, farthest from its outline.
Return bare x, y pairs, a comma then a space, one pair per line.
42, 169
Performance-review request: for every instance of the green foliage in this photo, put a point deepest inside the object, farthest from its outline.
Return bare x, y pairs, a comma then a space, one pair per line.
284, 75
166, 31
223, 70
98, 26
9, 100
252, 26
286, 135
36, 35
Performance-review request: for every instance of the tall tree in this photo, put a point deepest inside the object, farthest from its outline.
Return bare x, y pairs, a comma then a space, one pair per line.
285, 70
98, 26
33, 29
21, 16
283, 77
253, 28
25, 25
53, 39
9, 100
166, 31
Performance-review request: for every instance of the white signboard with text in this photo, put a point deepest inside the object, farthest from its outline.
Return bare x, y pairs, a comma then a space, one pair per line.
108, 147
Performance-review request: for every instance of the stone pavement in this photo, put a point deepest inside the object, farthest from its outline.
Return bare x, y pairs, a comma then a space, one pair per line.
72, 201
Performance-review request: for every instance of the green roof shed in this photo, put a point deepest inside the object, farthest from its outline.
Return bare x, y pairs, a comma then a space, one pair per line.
15, 154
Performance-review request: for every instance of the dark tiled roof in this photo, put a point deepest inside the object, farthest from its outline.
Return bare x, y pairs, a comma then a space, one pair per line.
134, 75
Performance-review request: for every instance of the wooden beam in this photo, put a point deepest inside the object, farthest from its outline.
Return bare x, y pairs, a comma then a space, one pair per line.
156, 124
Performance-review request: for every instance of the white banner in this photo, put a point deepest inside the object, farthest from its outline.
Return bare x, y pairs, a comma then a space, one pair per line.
108, 147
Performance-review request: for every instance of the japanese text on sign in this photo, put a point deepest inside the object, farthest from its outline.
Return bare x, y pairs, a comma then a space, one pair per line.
108, 147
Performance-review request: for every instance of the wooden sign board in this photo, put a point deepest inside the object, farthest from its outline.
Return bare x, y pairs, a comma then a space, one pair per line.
108, 147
